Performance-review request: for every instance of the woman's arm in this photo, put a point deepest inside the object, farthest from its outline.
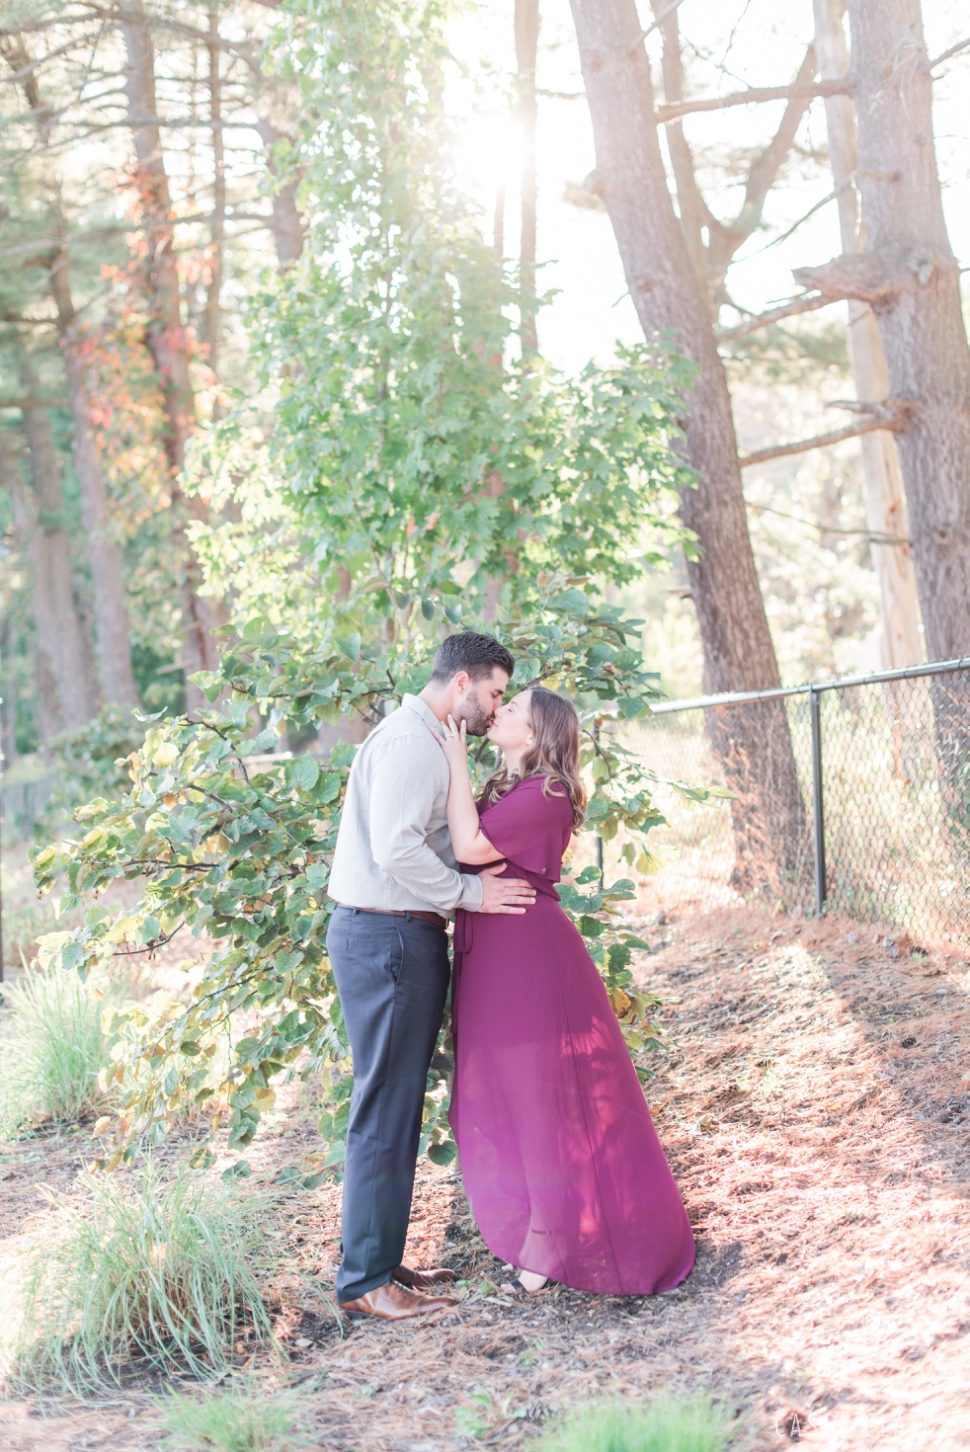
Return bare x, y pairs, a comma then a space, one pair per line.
468, 841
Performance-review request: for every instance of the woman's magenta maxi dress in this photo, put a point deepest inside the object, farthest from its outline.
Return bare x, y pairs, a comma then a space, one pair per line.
562, 1166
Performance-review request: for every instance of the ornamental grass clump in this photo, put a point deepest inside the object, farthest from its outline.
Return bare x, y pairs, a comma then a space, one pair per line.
239, 1419
52, 1047
151, 1275
668, 1424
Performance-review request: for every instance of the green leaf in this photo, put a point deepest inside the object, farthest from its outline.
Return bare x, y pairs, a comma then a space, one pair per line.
349, 645
304, 772
442, 1154
239, 1171
571, 602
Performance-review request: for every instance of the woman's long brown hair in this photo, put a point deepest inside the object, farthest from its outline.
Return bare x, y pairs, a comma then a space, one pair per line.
554, 755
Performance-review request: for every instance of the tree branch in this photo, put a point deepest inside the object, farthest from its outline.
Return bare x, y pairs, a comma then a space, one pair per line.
31, 66
871, 277
764, 320
894, 423
35, 402
756, 94
44, 244
695, 214
764, 172
947, 54
866, 534
661, 16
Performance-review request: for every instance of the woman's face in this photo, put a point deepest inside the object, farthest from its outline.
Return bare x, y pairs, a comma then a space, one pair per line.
512, 730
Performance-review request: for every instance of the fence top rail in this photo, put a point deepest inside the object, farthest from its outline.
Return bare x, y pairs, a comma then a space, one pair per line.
731, 698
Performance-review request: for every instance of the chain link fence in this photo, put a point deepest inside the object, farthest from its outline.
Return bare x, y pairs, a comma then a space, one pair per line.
883, 828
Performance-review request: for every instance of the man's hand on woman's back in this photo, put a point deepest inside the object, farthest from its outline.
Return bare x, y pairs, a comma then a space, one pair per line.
504, 894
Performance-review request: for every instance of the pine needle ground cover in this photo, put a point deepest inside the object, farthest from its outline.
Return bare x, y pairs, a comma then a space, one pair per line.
814, 1112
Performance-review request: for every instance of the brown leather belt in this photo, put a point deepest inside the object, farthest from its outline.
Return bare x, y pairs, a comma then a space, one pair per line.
435, 919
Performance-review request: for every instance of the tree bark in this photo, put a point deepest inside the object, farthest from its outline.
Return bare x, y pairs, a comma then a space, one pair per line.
110, 607
110, 603
885, 504
908, 274
526, 56
713, 257
669, 296
8, 706
167, 336
213, 309
287, 224
59, 631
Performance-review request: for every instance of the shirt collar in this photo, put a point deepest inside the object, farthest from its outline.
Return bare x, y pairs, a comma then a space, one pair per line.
422, 709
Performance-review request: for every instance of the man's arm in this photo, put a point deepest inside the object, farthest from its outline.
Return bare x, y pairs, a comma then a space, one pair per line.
401, 802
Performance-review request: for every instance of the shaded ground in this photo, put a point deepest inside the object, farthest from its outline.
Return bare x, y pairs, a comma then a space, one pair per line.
816, 1114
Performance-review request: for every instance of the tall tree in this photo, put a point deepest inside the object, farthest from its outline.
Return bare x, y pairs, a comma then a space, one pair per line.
213, 303
287, 223
110, 608
908, 275
670, 297
526, 55
168, 338
885, 504
713, 242
110, 605
43, 521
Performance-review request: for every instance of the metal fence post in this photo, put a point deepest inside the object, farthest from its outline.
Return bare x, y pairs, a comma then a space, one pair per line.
818, 809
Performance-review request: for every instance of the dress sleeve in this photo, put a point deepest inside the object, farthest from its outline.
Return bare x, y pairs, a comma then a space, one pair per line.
531, 827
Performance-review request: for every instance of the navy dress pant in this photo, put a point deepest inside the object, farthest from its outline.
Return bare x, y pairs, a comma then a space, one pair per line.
392, 977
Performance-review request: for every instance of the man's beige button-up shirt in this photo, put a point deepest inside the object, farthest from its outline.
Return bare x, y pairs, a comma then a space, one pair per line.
393, 848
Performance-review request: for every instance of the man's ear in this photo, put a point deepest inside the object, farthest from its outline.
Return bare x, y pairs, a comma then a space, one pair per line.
461, 682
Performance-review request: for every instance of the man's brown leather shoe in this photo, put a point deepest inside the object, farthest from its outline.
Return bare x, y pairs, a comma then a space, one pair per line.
393, 1302
422, 1280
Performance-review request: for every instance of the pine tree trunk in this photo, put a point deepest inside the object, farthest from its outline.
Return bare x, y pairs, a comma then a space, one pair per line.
110, 604
755, 745
167, 339
526, 55
59, 631
908, 274
287, 224
213, 306
885, 504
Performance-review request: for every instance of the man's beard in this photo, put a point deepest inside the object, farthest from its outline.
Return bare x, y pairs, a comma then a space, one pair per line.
476, 717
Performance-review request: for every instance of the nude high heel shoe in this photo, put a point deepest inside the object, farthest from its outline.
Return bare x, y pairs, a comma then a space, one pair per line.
531, 1282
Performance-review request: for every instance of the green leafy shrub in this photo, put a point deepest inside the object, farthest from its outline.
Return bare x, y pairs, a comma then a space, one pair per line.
53, 1047
243, 854
152, 1274
237, 1420
664, 1425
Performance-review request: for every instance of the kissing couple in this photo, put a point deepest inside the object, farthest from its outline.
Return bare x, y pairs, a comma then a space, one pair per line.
560, 1160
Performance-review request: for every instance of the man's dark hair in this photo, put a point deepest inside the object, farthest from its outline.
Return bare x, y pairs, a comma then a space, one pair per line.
476, 654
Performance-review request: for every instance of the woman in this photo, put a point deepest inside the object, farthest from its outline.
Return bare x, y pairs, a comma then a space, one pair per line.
563, 1169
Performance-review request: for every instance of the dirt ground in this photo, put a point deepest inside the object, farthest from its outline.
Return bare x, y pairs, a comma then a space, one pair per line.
815, 1111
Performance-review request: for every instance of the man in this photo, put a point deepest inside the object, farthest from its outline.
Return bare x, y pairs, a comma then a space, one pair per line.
395, 880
